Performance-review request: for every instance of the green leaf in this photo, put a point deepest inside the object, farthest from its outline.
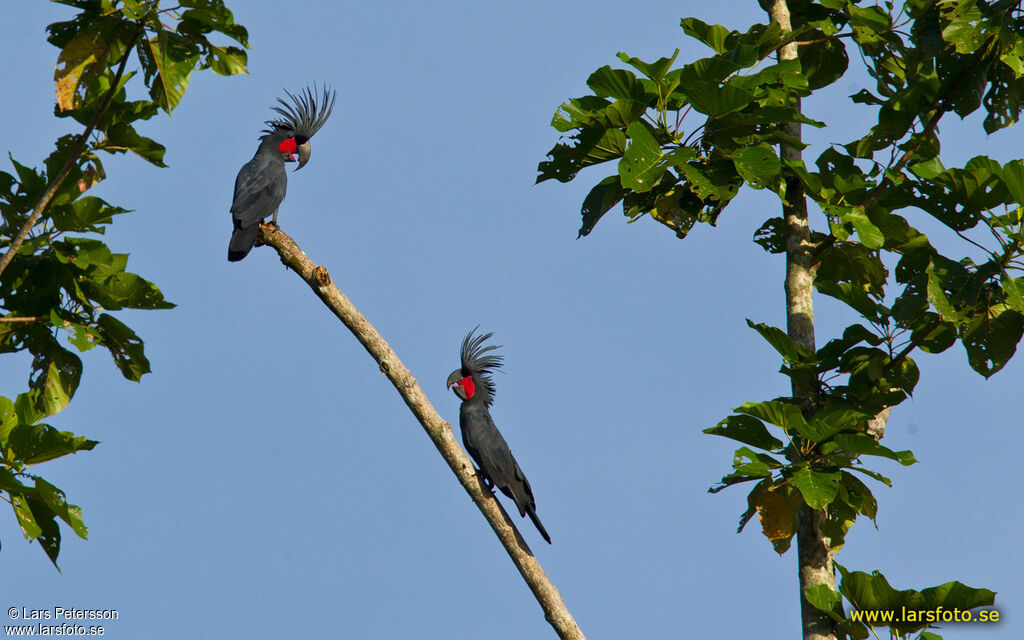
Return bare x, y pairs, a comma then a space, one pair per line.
616, 83
212, 15
593, 144
83, 337
863, 444
778, 413
749, 463
956, 595
873, 475
124, 346
746, 429
84, 214
23, 512
835, 418
822, 597
713, 36
122, 137
121, 290
135, 9
54, 499
818, 488
771, 235
934, 337
37, 443
872, 592
758, 165
8, 418
49, 533
640, 167
173, 58
56, 374
991, 339
859, 496
653, 70
782, 343
823, 62
963, 27
605, 195
228, 61
25, 408
717, 99
870, 235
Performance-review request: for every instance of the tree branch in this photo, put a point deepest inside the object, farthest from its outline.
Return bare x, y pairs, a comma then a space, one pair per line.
51, 190
439, 431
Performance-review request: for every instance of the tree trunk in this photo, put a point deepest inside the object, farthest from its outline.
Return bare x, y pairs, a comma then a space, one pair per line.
813, 547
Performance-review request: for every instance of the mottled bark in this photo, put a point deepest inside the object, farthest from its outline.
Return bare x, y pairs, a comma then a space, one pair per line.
814, 555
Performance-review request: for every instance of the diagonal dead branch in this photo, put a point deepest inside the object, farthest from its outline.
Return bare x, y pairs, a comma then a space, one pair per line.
440, 432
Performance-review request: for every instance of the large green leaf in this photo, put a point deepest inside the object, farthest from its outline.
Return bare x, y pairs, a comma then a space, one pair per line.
717, 100
605, 195
870, 235
84, 214
55, 499
615, 83
860, 443
8, 418
758, 165
122, 137
168, 59
56, 373
782, 343
640, 167
749, 463
715, 35
124, 346
818, 488
746, 429
654, 70
776, 412
37, 443
991, 339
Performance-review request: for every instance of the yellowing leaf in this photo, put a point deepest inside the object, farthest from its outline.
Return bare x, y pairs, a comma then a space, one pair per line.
78, 61
776, 509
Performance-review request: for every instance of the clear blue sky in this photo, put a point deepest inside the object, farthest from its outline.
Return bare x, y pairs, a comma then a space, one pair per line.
267, 481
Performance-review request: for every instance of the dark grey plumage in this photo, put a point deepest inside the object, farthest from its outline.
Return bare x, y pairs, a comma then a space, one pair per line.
473, 385
262, 182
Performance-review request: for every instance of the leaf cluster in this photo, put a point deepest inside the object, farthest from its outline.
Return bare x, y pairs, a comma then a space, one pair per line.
686, 138
62, 285
909, 609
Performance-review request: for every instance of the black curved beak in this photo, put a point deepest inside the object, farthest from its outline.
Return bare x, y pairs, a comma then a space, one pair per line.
453, 381
454, 377
303, 151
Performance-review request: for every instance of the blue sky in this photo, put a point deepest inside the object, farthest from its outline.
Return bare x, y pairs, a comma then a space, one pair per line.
267, 481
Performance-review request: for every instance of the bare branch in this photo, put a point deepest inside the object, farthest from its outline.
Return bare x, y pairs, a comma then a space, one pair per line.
439, 431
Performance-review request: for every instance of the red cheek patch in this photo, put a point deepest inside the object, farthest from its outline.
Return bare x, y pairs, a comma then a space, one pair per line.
288, 146
468, 386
